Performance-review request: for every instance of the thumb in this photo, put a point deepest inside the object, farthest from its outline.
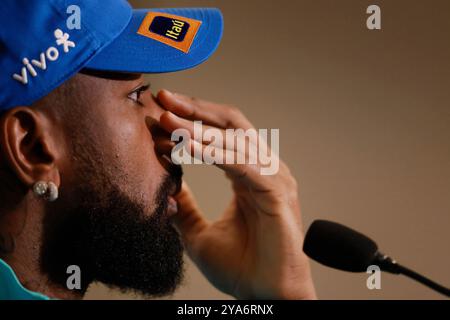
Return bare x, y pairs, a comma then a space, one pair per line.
189, 220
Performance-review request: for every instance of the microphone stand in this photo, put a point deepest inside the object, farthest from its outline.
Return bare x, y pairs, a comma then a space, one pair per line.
389, 265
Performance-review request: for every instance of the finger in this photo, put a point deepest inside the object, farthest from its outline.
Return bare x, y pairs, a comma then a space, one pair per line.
214, 114
246, 173
189, 220
203, 134
207, 135
164, 145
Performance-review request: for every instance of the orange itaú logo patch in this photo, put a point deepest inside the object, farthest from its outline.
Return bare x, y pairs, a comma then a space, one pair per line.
175, 31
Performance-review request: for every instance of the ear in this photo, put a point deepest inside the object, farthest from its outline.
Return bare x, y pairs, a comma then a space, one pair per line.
27, 146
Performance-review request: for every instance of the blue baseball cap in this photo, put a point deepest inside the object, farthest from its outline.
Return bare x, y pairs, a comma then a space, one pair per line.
43, 43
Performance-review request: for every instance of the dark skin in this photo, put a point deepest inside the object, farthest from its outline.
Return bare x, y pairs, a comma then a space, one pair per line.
35, 148
253, 251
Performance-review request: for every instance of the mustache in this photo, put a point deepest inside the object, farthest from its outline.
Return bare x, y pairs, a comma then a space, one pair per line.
170, 186
175, 176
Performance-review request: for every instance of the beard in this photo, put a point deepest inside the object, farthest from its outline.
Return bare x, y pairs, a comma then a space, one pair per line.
114, 239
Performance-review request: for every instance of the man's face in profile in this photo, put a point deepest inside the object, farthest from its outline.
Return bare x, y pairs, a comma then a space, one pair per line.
113, 217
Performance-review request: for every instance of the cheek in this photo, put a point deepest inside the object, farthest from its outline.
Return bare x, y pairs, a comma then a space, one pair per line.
135, 150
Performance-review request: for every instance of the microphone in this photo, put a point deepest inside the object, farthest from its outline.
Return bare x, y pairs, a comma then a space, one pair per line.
340, 247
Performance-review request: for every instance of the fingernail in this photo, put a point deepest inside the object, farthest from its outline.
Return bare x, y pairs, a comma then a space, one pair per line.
182, 107
172, 115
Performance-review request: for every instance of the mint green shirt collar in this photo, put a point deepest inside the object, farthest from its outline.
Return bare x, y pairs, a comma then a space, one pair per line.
12, 289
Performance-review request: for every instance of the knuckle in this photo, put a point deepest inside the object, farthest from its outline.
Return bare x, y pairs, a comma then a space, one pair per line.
292, 184
233, 110
291, 188
194, 100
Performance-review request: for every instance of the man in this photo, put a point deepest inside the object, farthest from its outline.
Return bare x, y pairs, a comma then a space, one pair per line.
85, 172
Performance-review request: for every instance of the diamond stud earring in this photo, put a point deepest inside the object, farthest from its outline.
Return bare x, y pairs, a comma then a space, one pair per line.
46, 190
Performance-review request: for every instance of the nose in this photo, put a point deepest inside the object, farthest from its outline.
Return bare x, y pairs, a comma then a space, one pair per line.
161, 138
154, 108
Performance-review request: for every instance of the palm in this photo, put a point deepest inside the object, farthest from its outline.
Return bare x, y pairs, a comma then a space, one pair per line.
226, 251
220, 249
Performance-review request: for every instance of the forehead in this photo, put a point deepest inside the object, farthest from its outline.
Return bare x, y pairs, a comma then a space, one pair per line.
99, 84
87, 91
95, 84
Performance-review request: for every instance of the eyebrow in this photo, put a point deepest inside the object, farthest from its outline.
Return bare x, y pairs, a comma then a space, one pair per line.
111, 75
143, 87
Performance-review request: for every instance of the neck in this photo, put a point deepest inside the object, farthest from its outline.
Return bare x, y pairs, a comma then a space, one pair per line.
23, 255
31, 278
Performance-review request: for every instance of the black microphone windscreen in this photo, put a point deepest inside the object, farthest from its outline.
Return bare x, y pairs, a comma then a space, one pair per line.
338, 246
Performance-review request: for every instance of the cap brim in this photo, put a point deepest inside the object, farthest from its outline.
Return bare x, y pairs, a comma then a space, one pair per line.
133, 52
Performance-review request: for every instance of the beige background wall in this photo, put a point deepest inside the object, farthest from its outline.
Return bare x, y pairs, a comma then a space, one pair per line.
364, 119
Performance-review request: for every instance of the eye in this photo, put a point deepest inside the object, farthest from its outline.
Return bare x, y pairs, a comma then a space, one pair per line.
135, 95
